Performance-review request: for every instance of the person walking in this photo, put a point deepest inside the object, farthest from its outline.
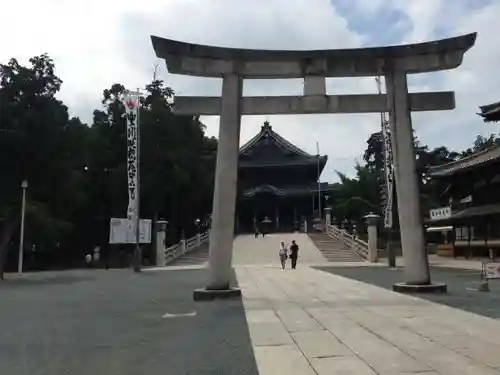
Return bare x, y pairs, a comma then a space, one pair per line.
283, 254
88, 260
294, 254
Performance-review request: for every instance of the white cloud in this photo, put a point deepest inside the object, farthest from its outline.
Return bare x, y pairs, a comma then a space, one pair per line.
97, 43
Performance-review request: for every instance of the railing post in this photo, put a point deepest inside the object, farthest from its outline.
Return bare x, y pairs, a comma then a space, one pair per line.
161, 233
328, 218
183, 246
198, 239
371, 221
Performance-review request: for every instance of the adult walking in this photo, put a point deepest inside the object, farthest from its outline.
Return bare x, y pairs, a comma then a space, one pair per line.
283, 254
294, 254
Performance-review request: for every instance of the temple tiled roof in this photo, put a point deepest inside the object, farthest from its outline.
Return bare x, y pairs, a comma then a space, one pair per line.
269, 149
283, 162
285, 191
267, 131
466, 163
490, 112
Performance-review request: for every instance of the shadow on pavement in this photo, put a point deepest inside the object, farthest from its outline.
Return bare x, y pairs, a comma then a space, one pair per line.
114, 324
458, 281
40, 281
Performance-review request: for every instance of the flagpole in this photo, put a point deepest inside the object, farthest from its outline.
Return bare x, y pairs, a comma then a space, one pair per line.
319, 184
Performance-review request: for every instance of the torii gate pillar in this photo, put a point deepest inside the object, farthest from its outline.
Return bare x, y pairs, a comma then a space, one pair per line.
233, 65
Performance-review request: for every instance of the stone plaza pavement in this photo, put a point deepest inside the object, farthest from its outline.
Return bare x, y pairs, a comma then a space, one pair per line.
293, 322
264, 250
309, 322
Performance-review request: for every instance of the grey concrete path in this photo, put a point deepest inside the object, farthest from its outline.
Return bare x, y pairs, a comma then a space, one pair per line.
264, 250
307, 322
116, 322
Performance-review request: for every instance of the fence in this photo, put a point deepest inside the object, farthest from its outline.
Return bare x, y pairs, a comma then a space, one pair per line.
185, 247
359, 246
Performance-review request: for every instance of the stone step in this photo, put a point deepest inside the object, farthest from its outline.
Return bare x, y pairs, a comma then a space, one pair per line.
196, 257
333, 250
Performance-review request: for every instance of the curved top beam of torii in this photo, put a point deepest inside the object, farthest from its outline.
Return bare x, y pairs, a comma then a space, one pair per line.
208, 61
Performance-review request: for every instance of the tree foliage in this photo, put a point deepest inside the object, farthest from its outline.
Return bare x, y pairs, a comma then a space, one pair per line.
355, 197
77, 173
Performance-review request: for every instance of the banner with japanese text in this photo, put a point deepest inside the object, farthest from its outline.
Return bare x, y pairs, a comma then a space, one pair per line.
131, 103
389, 173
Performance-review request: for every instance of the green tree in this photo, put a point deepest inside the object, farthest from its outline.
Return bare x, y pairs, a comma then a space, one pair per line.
35, 141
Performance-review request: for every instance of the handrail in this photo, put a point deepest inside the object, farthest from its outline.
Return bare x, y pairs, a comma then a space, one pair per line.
184, 247
341, 235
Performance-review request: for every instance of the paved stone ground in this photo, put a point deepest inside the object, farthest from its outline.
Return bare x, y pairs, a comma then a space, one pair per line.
264, 250
458, 281
111, 322
307, 322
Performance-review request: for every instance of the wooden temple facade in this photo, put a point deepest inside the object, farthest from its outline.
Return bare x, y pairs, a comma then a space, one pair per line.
277, 183
471, 216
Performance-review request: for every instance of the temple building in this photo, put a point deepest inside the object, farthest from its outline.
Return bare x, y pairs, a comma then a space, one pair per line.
277, 183
471, 216
490, 112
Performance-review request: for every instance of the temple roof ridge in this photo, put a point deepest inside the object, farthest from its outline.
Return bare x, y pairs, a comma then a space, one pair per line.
267, 131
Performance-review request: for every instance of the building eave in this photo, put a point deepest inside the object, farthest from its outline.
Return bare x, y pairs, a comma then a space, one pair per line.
490, 112
467, 163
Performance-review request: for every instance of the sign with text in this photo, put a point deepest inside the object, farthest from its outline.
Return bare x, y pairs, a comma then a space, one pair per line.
440, 213
131, 103
491, 270
121, 232
389, 172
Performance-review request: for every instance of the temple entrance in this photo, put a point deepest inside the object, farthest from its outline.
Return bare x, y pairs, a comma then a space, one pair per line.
285, 213
277, 180
393, 62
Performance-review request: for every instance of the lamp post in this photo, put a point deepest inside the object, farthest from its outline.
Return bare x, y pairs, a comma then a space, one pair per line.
24, 186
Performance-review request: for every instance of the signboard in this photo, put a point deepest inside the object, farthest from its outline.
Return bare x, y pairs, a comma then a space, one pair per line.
440, 213
121, 232
389, 172
491, 270
131, 103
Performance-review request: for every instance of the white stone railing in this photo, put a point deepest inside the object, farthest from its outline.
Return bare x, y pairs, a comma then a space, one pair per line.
184, 247
359, 246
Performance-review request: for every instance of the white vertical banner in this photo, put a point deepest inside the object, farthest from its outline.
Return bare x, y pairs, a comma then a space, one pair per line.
389, 172
388, 162
131, 103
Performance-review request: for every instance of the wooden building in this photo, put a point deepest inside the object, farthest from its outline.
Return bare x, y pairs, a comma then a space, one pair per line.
472, 215
490, 112
277, 181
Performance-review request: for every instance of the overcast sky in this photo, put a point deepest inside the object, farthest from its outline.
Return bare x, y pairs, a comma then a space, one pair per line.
97, 43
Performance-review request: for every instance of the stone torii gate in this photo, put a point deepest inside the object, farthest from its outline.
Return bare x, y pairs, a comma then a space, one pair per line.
233, 65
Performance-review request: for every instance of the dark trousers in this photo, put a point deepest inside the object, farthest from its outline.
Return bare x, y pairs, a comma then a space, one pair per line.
294, 262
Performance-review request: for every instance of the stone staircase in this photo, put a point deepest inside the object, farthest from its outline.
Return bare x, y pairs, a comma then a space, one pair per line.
196, 257
333, 250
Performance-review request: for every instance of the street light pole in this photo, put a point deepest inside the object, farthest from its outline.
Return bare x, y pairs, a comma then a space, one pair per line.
320, 214
24, 186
